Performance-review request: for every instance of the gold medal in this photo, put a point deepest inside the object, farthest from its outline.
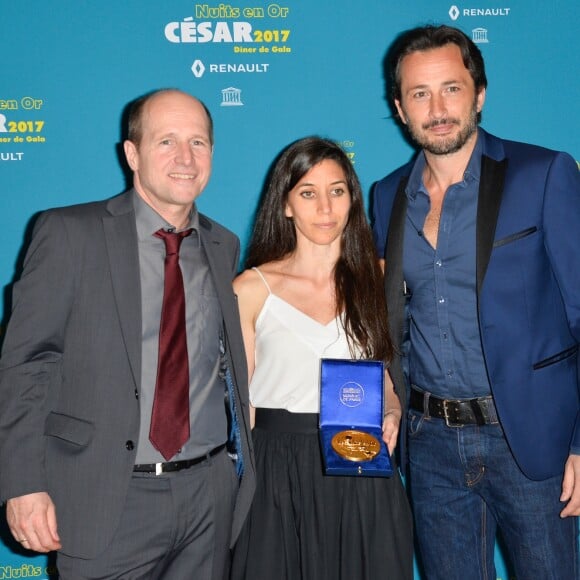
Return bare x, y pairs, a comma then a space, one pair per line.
356, 445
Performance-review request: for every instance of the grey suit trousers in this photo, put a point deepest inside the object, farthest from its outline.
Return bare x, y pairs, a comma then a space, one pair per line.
174, 526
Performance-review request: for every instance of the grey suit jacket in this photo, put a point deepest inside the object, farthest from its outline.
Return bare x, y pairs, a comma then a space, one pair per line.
71, 366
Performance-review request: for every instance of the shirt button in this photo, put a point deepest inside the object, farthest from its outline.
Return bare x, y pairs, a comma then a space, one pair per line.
441, 300
445, 336
136, 394
439, 263
129, 445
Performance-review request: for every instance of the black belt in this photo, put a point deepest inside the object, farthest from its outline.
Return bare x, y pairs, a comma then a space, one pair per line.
159, 468
457, 413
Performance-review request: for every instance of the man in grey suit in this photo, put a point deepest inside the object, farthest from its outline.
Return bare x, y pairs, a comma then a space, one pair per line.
78, 468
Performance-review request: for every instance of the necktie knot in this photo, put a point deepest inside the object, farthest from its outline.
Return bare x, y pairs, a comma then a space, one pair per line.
172, 240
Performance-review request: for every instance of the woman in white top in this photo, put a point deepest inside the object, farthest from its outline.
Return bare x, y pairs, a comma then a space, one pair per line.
314, 289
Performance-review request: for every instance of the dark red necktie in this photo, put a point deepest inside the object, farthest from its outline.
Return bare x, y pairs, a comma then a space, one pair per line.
170, 415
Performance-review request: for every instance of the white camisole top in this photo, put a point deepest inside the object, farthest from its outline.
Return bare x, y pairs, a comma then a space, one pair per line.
288, 348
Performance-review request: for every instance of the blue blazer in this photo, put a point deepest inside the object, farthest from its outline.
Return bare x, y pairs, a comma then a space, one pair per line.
528, 293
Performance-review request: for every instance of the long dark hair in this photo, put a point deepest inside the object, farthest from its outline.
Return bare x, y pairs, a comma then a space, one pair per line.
357, 275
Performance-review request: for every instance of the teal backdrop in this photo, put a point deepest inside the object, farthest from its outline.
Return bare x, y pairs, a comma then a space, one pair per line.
270, 72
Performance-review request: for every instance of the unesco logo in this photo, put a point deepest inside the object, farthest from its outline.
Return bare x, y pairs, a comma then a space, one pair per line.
351, 394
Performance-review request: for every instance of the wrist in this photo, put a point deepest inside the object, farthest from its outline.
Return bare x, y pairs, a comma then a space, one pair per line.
395, 412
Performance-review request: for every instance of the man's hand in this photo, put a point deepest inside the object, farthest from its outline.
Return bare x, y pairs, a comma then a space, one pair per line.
32, 521
571, 487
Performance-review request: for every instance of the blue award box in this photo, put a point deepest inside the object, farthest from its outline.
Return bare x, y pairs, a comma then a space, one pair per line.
351, 415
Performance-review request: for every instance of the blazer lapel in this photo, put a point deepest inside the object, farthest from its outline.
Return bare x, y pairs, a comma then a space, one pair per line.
121, 239
394, 283
490, 194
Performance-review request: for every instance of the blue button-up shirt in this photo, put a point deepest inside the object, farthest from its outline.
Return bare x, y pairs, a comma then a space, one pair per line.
445, 356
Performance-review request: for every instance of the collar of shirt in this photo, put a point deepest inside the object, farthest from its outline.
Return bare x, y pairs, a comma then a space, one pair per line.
472, 171
149, 221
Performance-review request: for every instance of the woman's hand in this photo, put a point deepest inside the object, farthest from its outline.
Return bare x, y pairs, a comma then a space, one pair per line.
391, 424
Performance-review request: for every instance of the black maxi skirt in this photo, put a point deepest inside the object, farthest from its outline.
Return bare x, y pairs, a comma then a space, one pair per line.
305, 525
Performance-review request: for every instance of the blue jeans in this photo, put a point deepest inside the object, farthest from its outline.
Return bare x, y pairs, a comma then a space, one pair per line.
465, 486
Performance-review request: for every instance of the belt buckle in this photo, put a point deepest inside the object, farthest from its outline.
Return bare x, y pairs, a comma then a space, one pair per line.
448, 421
158, 468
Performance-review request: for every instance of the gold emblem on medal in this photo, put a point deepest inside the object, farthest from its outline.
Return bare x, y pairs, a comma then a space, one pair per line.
355, 445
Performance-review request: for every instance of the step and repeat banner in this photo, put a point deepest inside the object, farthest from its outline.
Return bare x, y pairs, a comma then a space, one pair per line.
270, 72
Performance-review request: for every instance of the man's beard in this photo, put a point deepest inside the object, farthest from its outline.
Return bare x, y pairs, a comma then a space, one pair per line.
445, 146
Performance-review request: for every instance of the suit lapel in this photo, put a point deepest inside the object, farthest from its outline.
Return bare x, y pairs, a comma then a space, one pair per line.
121, 239
488, 204
220, 271
222, 276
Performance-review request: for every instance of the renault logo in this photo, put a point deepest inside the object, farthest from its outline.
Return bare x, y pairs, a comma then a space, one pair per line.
197, 68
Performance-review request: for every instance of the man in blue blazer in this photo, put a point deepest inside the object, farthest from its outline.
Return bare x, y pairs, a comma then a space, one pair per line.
481, 242
81, 468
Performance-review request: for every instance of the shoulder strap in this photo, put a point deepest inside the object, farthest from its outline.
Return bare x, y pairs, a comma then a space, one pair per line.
263, 279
